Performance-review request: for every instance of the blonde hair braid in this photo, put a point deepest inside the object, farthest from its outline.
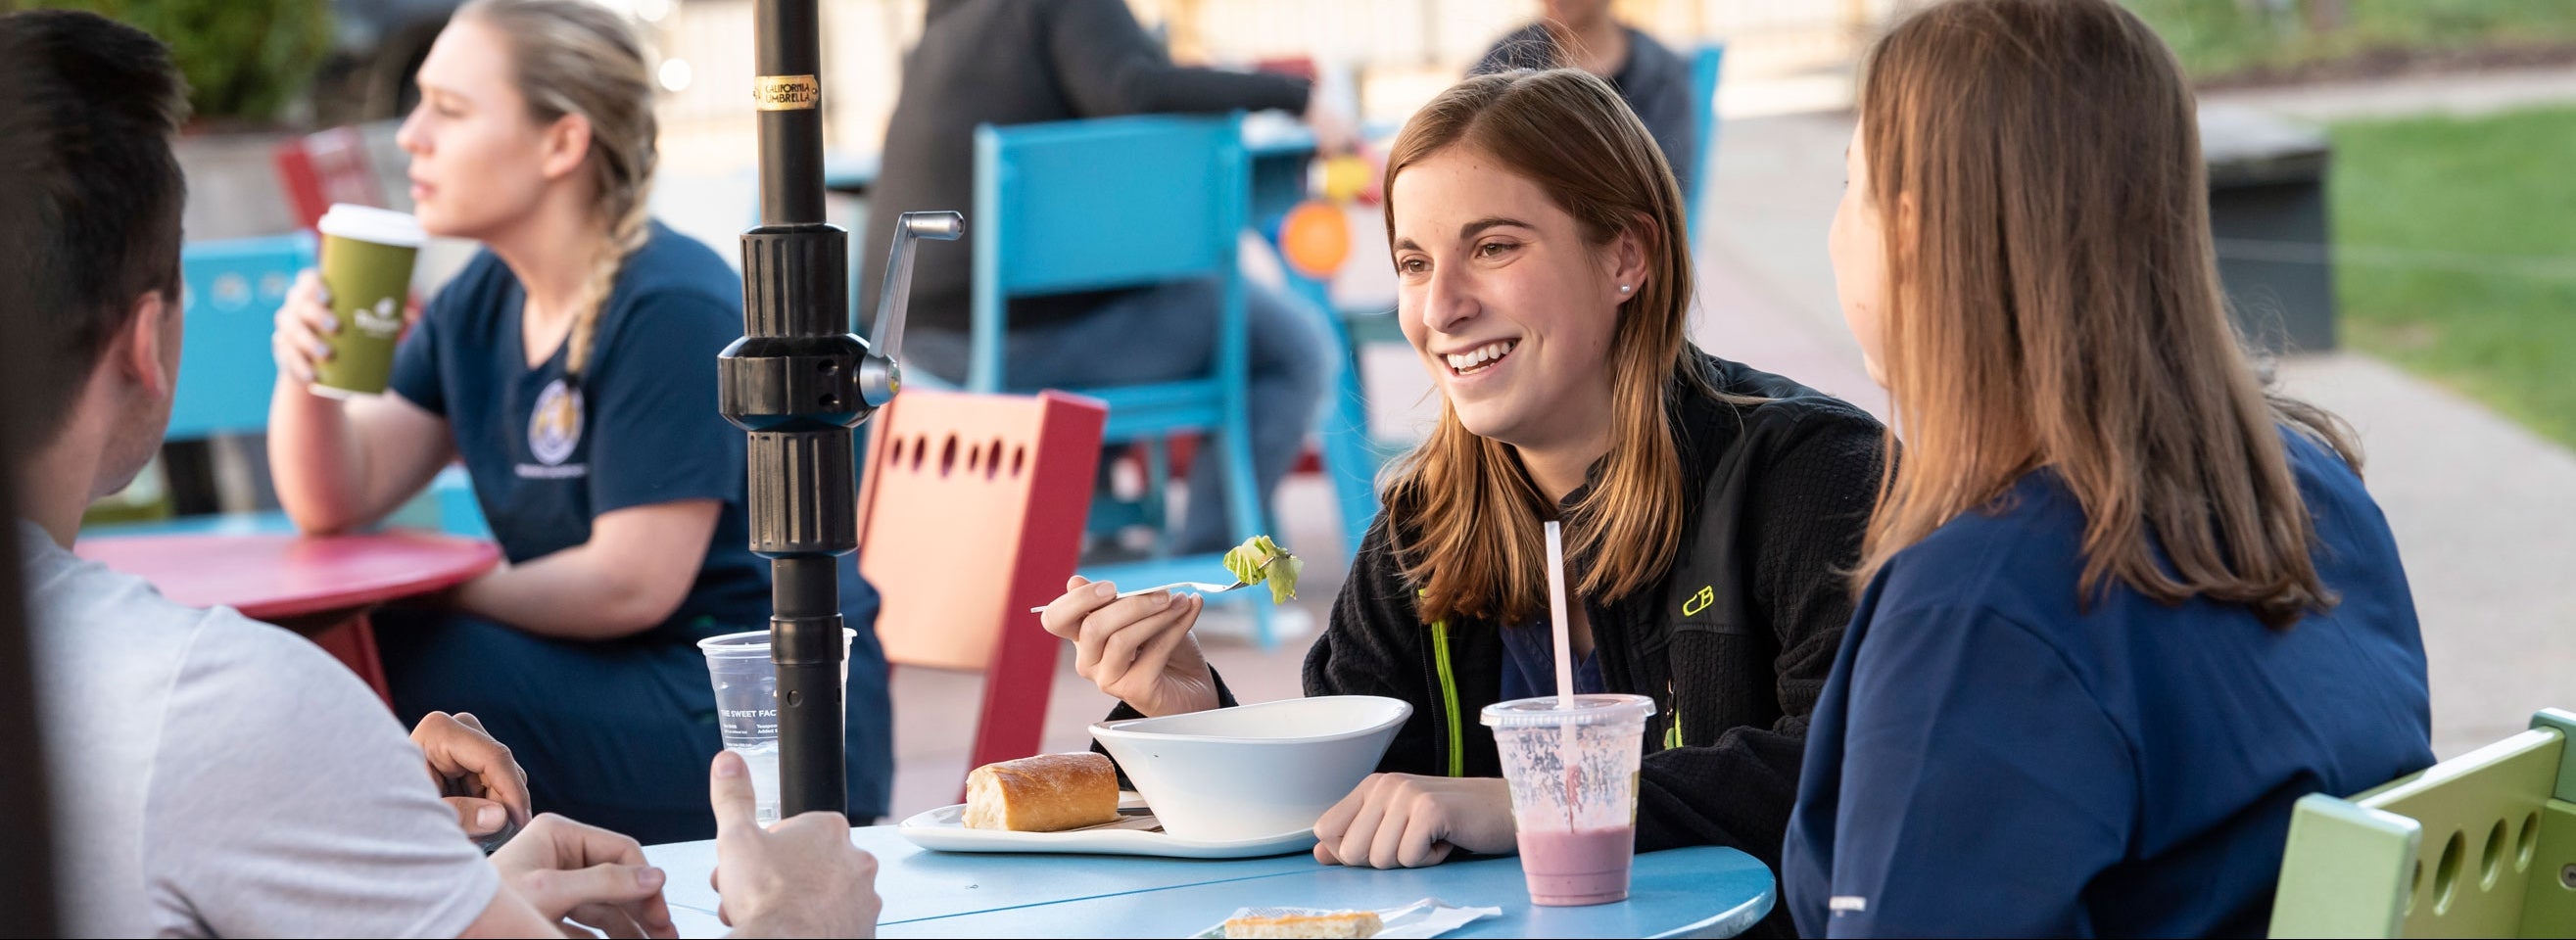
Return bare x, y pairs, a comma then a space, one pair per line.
625, 236
575, 57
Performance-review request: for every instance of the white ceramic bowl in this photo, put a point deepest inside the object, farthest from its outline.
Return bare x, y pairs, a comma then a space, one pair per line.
1253, 771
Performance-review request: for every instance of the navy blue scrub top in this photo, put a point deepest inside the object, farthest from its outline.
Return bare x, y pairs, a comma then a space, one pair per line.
548, 455
1529, 664
1993, 758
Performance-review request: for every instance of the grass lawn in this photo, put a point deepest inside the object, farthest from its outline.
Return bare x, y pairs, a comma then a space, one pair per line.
2220, 37
2456, 242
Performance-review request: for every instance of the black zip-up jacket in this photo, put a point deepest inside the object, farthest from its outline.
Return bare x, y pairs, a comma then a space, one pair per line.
1733, 643
1777, 496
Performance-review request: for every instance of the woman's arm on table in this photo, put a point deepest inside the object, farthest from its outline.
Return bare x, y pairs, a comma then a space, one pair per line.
637, 567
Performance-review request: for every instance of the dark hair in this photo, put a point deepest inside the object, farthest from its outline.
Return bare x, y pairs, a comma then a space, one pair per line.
93, 104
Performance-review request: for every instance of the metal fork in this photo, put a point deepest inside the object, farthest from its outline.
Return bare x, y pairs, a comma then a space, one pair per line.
1200, 586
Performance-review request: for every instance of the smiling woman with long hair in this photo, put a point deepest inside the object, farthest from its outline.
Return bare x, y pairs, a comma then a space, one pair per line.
1711, 510
2121, 606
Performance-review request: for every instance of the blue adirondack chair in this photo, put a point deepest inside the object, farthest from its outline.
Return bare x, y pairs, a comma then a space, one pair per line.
226, 371
1126, 202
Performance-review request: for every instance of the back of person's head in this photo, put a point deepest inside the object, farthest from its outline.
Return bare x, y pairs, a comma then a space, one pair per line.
2054, 302
95, 103
576, 57
1469, 516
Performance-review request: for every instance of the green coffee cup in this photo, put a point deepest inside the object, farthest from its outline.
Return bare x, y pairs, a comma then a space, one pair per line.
367, 255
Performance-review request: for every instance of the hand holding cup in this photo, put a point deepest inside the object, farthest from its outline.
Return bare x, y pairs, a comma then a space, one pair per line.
304, 327
360, 294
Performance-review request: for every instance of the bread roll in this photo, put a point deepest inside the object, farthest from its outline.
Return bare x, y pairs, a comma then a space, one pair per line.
1046, 793
1357, 925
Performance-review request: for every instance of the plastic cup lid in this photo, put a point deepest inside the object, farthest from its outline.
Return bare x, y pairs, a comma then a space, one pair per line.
754, 643
1587, 710
370, 224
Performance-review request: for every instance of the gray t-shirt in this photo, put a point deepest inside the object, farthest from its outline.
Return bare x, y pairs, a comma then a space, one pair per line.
217, 776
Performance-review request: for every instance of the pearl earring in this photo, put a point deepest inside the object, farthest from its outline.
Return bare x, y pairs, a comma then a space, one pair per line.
1623, 288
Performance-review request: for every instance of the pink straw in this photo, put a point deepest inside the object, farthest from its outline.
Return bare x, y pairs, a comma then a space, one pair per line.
1556, 608
1566, 750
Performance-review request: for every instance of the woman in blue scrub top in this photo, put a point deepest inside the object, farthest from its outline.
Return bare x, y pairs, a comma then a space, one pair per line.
2122, 606
572, 367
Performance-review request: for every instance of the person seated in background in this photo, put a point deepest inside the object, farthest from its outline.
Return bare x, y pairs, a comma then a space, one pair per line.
1710, 508
572, 367
1581, 34
214, 776
2122, 606
1007, 62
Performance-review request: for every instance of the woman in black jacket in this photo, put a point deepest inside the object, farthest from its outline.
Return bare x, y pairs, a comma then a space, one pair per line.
1712, 511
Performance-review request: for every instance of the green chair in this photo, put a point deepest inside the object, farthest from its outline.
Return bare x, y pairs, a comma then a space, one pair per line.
2481, 845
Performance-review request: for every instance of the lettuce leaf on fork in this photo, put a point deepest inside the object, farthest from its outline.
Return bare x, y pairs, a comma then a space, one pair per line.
1260, 561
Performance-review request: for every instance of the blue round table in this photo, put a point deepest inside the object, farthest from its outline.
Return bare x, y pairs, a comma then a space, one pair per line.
1704, 891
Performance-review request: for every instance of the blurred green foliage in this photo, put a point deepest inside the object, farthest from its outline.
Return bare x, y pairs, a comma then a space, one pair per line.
2455, 243
2217, 38
246, 60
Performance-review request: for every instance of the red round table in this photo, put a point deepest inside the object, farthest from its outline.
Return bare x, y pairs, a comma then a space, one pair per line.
319, 585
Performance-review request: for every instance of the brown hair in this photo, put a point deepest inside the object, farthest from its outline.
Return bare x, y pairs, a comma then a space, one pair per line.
578, 57
1463, 513
2053, 301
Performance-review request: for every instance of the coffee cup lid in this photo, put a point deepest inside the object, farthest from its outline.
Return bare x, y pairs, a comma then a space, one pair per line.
370, 224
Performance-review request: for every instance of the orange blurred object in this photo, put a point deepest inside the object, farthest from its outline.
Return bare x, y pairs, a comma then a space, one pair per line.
1315, 238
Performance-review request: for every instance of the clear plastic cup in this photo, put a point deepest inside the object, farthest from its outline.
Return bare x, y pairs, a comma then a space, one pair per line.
747, 705
1573, 774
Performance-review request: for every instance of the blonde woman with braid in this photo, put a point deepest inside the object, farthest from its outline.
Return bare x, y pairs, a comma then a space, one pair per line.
571, 367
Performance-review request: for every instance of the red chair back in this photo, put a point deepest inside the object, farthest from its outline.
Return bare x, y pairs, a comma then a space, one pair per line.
971, 511
325, 167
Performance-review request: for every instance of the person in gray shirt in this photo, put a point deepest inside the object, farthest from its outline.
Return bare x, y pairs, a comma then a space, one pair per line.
214, 776
1655, 82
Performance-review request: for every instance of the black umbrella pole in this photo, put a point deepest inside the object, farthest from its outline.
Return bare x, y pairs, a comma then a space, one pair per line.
792, 383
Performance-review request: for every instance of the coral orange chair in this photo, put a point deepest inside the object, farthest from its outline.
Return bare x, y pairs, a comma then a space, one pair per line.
971, 511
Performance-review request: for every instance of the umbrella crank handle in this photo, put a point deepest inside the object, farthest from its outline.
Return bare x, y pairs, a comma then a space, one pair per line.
881, 375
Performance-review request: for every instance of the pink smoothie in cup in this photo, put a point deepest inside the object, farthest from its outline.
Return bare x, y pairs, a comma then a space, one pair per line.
1577, 867
1573, 777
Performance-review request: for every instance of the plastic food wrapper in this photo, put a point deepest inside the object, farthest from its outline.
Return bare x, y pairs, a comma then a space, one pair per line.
1259, 560
1429, 917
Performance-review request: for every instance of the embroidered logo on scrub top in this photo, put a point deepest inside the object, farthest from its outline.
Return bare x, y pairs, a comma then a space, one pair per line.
554, 427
